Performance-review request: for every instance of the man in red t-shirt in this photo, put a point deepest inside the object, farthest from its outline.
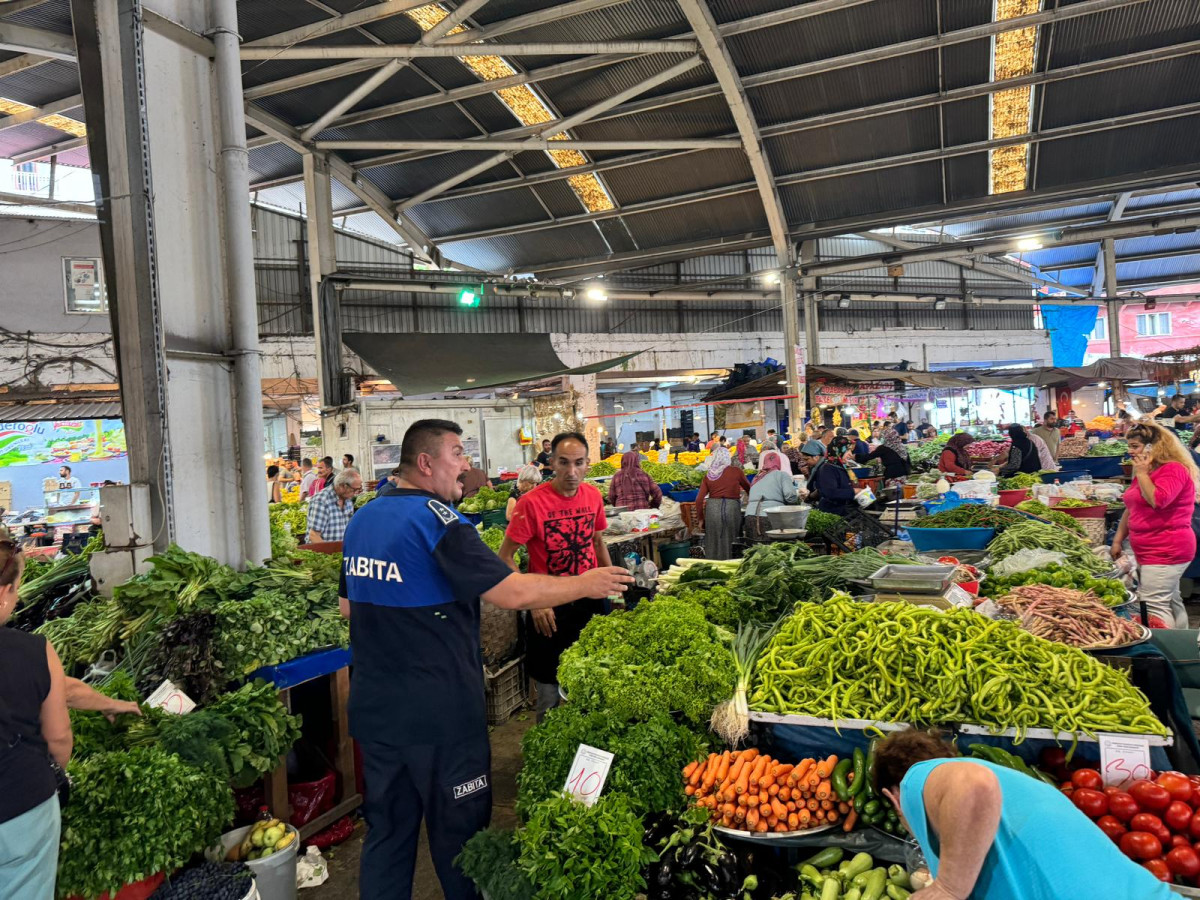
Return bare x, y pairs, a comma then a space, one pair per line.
560, 523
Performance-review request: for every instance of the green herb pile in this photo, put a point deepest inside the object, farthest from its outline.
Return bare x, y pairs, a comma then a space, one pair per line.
896, 662
51, 589
290, 516
768, 573
835, 573
363, 499
927, 453
1110, 591
489, 859
1112, 447
133, 814
1034, 535
1072, 503
821, 524
663, 656
569, 850
673, 473
972, 515
1042, 511
719, 604
645, 770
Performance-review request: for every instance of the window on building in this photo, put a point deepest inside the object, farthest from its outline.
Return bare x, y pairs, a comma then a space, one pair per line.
1100, 332
1151, 324
83, 280
28, 180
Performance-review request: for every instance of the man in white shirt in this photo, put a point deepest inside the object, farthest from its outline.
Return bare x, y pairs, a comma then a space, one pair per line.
306, 466
66, 480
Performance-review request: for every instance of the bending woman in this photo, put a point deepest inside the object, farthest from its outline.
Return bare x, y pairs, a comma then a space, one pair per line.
954, 459
719, 504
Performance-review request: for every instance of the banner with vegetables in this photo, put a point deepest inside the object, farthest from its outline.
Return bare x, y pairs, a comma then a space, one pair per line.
67, 441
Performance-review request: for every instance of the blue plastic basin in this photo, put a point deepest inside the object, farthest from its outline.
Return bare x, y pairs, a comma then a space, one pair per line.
925, 539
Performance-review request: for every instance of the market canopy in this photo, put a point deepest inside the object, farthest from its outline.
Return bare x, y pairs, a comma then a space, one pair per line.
437, 363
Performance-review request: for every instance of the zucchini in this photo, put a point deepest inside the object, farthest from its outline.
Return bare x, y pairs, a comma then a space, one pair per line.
862, 862
860, 769
876, 884
895, 892
840, 771
825, 859
832, 889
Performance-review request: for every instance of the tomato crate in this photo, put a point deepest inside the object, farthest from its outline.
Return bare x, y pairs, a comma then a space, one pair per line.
507, 690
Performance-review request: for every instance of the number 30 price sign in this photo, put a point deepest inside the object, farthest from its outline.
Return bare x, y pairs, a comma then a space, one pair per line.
588, 772
1124, 758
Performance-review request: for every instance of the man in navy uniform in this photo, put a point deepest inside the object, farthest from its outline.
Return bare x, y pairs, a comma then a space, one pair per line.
413, 573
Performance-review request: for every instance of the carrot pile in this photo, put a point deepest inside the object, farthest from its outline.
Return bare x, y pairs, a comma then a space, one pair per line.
749, 791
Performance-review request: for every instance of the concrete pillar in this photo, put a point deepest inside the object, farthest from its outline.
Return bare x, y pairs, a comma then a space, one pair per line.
661, 397
322, 253
1110, 291
587, 403
166, 258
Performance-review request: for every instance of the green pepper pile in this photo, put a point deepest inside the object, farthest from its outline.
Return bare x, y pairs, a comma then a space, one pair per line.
1042, 511
894, 662
1019, 481
1034, 535
1110, 591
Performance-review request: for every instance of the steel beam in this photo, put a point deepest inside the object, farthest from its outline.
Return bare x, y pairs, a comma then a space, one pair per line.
1110, 292
63, 205
304, 79
23, 39
322, 259
1069, 236
51, 108
532, 144
555, 13
1115, 212
359, 17
49, 150
1129, 257
351, 99
555, 127
180, 34
416, 51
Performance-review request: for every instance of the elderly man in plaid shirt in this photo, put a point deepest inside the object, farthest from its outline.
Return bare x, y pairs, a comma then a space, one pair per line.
329, 512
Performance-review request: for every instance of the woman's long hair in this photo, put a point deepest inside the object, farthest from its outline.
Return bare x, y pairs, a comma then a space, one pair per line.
1165, 446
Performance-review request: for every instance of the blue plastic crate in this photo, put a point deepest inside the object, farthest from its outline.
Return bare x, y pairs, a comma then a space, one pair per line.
927, 539
683, 496
667, 486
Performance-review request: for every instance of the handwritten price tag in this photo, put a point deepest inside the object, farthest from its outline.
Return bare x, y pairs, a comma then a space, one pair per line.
1124, 758
588, 772
171, 699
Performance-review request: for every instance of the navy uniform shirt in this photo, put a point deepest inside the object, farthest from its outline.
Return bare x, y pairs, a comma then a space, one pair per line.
413, 569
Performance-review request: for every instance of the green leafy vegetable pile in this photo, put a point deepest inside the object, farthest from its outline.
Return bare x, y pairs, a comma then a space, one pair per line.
265, 728
821, 524
569, 850
927, 453
363, 499
133, 814
1072, 503
1112, 447
488, 498
490, 860
719, 604
663, 656
1020, 480
769, 574
834, 573
648, 757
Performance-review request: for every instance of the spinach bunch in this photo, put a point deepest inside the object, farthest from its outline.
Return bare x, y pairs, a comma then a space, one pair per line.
264, 729
663, 656
569, 850
648, 757
490, 860
267, 629
770, 576
184, 652
133, 814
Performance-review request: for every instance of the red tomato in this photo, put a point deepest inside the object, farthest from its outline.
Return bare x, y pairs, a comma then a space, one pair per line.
1177, 785
948, 560
1178, 816
1194, 827
1112, 827
1159, 869
1093, 803
1151, 823
1183, 861
1124, 807
1087, 778
1151, 796
1178, 840
1140, 845
1111, 789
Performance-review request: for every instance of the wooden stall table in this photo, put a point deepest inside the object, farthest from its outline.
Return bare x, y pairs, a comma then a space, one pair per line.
335, 665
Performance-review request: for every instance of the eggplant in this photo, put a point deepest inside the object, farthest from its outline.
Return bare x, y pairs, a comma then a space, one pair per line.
664, 874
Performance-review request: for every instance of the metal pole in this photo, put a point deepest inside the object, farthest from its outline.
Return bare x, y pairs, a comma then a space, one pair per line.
1110, 291
416, 51
453, 146
239, 274
322, 259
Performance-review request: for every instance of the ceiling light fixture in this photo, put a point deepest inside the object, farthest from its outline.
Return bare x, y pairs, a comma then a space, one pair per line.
1029, 243
596, 294
771, 278
939, 303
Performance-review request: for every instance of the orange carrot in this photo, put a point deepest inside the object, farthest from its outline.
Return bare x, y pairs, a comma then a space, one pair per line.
779, 809
710, 774
743, 782
778, 772
728, 809
793, 821
781, 828
764, 797
843, 808
689, 790
752, 818
798, 774
772, 820
735, 768
697, 773
819, 815
739, 814
825, 767
785, 794
814, 779
851, 818
742, 799
762, 826
824, 790
773, 790
814, 805
723, 767
689, 769
832, 817
826, 805
751, 800
791, 805
804, 816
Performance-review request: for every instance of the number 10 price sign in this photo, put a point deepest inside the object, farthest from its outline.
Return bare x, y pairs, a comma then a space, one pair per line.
588, 772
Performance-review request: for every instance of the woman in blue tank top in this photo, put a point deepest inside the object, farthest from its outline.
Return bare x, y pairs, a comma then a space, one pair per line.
991, 833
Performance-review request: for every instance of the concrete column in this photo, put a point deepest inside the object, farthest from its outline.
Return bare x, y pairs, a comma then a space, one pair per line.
812, 329
587, 403
167, 253
322, 254
661, 397
1110, 291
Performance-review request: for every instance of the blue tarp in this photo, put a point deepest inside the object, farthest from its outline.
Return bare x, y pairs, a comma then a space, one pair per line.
1069, 327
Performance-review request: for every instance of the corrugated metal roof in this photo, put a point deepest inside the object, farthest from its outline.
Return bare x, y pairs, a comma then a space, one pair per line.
54, 15
573, 92
61, 411
478, 213
19, 211
656, 180
520, 252
39, 85
711, 219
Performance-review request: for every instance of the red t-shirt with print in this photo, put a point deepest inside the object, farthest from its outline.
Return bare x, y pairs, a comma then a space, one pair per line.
558, 531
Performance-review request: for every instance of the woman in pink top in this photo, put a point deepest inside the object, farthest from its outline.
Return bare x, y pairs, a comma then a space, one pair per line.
1158, 520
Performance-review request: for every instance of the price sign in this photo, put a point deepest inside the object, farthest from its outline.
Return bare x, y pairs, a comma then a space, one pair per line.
1124, 758
171, 699
588, 772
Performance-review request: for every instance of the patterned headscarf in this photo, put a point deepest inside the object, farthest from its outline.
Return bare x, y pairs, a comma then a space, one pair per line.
837, 449
719, 461
631, 459
893, 441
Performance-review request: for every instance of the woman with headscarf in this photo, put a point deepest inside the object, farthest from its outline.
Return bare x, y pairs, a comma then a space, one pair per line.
894, 456
791, 452
829, 483
1022, 455
632, 487
773, 486
954, 459
745, 453
719, 504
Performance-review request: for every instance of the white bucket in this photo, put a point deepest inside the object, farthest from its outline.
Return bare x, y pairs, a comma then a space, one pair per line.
275, 876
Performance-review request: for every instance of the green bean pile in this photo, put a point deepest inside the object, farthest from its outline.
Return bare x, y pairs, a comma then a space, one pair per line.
893, 662
1035, 535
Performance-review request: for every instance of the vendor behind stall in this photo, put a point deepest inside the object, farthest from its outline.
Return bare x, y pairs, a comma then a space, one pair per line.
829, 486
993, 833
894, 456
632, 487
1023, 456
954, 459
